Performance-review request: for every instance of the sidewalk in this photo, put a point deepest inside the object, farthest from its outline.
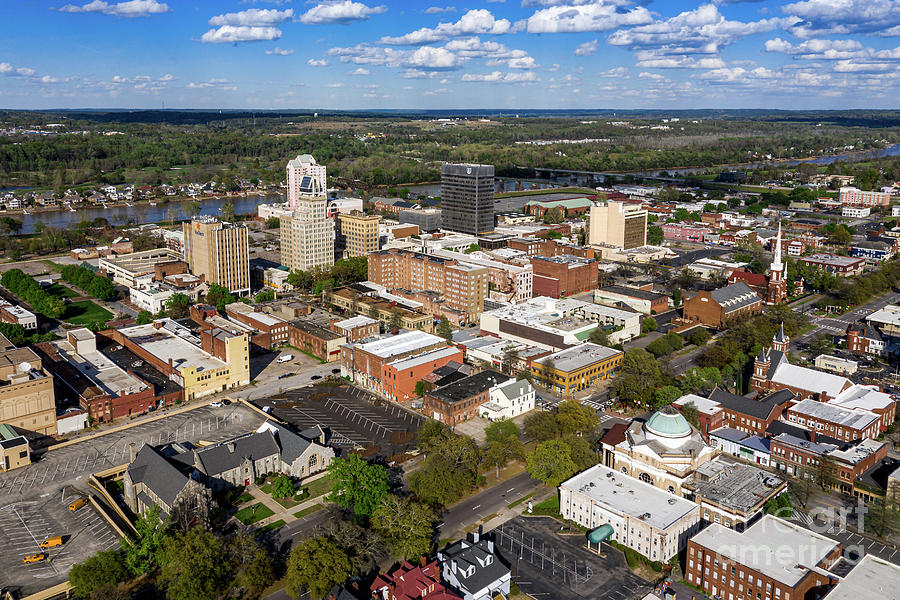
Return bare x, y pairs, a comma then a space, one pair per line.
280, 513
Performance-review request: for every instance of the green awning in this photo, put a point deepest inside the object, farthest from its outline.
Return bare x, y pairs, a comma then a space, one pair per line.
601, 534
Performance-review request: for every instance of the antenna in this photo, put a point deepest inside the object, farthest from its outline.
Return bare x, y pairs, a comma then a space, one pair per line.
25, 367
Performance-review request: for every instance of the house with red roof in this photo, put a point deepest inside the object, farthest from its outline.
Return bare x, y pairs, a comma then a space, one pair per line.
411, 582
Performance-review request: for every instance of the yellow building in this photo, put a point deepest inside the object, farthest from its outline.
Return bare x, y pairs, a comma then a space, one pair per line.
374, 307
220, 251
215, 361
357, 234
618, 224
14, 449
576, 368
27, 399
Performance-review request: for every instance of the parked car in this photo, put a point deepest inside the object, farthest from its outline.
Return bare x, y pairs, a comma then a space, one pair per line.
285, 358
76, 504
33, 558
52, 542
216, 404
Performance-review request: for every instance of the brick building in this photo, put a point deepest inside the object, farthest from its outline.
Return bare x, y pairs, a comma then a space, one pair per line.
840, 266
460, 401
356, 328
865, 338
835, 421
273, 330
563, 275
685, 232
318, 341
721, 306
773, 559
639, 299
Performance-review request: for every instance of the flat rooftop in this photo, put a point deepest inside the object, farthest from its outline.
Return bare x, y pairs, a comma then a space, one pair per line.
703, 405
858, 452
143, 261
625, 495
357, 321
467, 387
735, 485
621, 290
871, 579
889, 315
580, 356
846, 417
832, 259
100, 370
401, 343
774, 547
419, 359
175, 342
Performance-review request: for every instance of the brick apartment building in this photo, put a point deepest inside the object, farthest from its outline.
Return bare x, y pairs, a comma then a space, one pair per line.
273, 331
322, 343
463, 286
851, 196
685, 232
839, 266
460, 401
563, 275
721, 306
835, 421
772, 559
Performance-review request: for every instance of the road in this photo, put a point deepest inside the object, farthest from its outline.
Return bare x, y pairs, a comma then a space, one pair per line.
488, 502
838, 325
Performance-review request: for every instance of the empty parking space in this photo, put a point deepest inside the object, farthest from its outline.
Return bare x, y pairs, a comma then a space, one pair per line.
24, 525
544, 561
353, 417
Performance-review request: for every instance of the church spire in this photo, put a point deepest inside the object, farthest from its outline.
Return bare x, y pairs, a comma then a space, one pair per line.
776, 261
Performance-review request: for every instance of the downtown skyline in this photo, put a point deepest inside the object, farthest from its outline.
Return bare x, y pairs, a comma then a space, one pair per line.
545, 54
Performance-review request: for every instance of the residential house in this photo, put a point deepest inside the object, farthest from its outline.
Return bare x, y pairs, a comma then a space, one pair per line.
474, 569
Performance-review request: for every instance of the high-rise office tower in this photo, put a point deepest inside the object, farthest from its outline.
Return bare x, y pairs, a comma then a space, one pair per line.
307, 236
467, 198
356, 234
218, 250
618, 224
304, 176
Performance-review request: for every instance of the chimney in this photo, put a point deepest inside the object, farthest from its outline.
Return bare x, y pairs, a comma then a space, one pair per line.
230, 446
157, 324
132, 452
812, 435
422, 560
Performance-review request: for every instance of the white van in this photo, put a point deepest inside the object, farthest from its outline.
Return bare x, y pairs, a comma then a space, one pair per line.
285, 358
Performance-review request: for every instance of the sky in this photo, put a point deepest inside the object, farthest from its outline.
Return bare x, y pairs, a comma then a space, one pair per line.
450, 54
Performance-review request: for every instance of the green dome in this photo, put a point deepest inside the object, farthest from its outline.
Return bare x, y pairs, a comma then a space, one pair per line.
668, 424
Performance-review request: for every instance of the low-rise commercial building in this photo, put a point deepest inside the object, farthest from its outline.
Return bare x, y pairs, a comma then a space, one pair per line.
127, 269
563, 275
731, 493
272, 331
834, 421
27, 398
685, 232
871, 579
10, 313
772, 558
356, 328
322, 343
836, 364
873, 251
427, 219
461, 400
643, 301
840, 266
577, 368
362, 300
650, 521
15, 452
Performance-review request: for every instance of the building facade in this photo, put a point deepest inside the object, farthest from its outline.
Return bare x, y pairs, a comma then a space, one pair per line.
27, 397
616, 223
561, 276
722, 306
303, 176
356, 234
307, 236
220, 251
851, 196
467, 198
576, 368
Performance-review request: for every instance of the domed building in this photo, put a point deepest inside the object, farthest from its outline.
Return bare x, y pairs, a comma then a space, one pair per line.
664, 451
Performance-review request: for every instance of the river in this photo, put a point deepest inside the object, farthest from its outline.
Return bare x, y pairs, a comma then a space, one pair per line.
140, 213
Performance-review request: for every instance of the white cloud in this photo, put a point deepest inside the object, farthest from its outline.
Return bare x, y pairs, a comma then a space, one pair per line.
597, 16
360, 71
702, 30
276, 51
167, 77
129, 9
586, 48
418, 74
433, 10
614, 72
314, 62
496, 53
25, 71
253, 17
335, 85
500, 77
841, 17
341, 11
227, 34
435, 92
646, 75
427, 57
477, 21
654, 60
212, 83
5, 68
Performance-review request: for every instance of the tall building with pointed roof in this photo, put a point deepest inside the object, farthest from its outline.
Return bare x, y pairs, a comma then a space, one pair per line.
777, 285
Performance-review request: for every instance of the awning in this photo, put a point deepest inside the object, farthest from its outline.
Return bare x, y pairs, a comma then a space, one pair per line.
601, 534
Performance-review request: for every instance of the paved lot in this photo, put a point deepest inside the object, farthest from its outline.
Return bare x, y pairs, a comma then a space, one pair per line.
855, 545
23, 525
547, 565
73, 464
354, 417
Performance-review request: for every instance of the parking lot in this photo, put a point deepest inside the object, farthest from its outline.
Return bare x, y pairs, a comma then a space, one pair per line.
355, 418
24, 525
73, 464
543, 561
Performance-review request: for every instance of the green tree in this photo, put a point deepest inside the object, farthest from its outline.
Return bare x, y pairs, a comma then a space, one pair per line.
665, 395
316, 564
227, 212
551, 462
691, 414
99, 573
142, 550
264, 296
636, 379
444, 329
273, 223
580, 451
407, 527
396, 318
252, 567
219, 296
840, 236
554, 215
283, 487
178, 305
699, 336
431, 435
449, 471
144, 317
542, 426
357, 485
600, 336
649, 324
654, 235
191, 566
575, 418
500, 451
501, 430
191, 209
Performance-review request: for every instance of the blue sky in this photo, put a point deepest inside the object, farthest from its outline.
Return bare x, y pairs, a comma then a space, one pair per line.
358, 54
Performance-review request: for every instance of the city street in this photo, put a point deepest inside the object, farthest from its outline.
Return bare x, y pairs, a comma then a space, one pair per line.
838, 325
488, 502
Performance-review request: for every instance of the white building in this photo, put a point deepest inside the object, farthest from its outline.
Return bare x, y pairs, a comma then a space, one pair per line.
856, 212
344, 205
10, 313
472, 568
152, 298
279, 210
895, 210
871, 579
304, 176
836, 364
508, 400
646, 519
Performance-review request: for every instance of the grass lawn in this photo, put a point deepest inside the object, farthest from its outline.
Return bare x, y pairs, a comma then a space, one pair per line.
86, 312
318, 487
549, 507
61, 291
252, 514
272, 525
519, 501
308, 511
245, 497
292, 501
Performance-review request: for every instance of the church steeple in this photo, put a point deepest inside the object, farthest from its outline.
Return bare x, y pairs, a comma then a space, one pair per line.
776, 261
781, 342
777, 284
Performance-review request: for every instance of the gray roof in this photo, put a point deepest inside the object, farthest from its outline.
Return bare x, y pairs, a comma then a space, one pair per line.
761, 409
516, 389
467, 387
292, 444
467, 554
735, 296
230, 454
153, 470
